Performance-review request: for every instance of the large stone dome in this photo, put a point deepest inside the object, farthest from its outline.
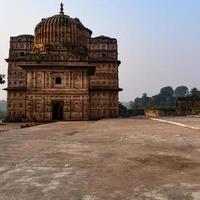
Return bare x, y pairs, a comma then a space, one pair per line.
61, 31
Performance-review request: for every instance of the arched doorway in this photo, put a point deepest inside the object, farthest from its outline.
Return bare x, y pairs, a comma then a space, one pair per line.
57, 111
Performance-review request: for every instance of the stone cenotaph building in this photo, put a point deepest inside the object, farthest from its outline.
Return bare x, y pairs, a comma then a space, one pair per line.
62, 73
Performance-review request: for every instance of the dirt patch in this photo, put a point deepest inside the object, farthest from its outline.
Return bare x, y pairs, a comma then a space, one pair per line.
71, 133
167, 161
1, 131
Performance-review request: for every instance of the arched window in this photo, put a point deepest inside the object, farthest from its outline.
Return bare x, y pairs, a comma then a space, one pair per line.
58, 81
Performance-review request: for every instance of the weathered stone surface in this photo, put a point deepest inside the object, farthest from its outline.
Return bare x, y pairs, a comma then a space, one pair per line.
129, 159
188, 106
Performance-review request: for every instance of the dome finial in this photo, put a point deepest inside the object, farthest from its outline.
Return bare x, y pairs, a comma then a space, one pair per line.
61, 8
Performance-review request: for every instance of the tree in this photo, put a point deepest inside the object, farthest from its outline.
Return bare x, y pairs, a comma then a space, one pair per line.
145, 100
156, 100
165, 99
166, 96
137, 103
167, 91
2, 79
195, 92
131, 104
141, 103
181, 91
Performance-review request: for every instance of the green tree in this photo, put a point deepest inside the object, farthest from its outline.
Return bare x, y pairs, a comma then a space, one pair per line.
166, 96
131, 104
195, 92
137, 103
181, 91
145, 100
156, 100
2, 114
142, 102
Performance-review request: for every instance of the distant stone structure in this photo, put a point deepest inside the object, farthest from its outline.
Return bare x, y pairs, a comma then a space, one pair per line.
62, 73
159, 112
188, 106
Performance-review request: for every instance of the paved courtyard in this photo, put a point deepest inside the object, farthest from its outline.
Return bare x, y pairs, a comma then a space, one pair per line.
9, 126
121, 159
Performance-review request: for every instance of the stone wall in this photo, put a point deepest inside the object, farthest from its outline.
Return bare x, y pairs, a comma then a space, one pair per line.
188, 106
43, 91
104, 104
75, 107
105, 82
159, 113
20, 47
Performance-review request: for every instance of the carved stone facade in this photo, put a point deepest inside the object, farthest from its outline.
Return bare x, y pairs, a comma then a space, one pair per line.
62, 73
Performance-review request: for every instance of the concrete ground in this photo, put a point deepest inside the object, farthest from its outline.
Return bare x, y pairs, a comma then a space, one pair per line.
9, 126
121, 159
190, 121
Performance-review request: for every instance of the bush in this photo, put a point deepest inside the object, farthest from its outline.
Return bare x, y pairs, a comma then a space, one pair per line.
162, 107
2, 114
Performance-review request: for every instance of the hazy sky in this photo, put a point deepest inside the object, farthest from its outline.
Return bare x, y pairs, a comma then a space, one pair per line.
159, 40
